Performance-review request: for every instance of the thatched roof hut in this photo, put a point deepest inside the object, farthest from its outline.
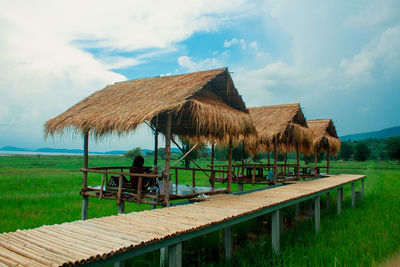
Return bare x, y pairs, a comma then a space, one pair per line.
204, 104
325, 136
284, 125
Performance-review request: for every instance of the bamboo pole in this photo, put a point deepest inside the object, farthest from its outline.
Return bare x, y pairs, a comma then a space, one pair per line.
184, 156
167, 159
85, 199
327, 162
212, 166
315, 160
230, 164
298, 160
275, 163
155, 147
268, 161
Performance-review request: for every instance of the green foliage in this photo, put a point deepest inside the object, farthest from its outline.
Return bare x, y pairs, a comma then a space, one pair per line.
161, 153
346, 151
221, 153
392, 147
361, 152
132, 154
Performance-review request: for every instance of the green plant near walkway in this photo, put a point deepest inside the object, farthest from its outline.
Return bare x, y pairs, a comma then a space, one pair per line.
37, 191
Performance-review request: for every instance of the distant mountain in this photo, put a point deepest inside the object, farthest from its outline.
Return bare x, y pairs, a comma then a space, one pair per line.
385, 133
13, 148
58, 150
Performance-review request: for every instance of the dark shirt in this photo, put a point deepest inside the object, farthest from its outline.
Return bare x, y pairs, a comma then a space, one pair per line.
135, 179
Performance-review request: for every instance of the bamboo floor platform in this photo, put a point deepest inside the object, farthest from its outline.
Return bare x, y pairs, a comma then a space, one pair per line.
98, 239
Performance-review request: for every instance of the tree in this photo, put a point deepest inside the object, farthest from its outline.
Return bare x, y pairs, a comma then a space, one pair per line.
346, 151
237, 153
161, 152
361, 152
132, 154
392, 147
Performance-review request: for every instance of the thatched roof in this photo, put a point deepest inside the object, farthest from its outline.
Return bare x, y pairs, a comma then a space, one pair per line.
324, 135
283, 124
204, 104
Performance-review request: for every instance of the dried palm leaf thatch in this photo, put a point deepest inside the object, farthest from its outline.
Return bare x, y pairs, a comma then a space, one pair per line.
324, 135
283, 125
202, 104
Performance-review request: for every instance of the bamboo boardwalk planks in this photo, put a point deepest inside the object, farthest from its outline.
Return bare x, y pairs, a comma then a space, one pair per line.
82, 242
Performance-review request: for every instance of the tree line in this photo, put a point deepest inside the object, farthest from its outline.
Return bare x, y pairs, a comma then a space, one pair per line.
361, 150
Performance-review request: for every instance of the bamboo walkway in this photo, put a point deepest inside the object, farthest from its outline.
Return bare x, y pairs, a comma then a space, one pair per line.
93, 240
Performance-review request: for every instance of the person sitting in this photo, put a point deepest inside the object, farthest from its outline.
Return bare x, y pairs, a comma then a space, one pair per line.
137, 167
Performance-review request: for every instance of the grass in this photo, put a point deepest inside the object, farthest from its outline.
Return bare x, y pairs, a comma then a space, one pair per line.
45, 190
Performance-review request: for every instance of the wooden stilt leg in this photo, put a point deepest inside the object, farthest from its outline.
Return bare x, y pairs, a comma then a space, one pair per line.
310, 206
121, 207
240, 187
85, 207
275, 232
175, 255
317, 212
163, 257
228, 243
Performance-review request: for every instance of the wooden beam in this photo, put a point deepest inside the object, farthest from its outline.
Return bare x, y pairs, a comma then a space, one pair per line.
85, 199
212, 166
167, 159
230, 152
275, 163
175, 255
275, 232
155, 147
228, 241
327, 161
184, 156
298, 161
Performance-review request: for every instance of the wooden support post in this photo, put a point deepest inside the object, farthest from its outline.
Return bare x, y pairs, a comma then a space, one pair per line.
85, 199
285, 166
230, 164
315, 162
296, 214
242, 157
339, 200
327, 161
119, 194
155, 147
317, 213
228, 240
275, 163
253, 177
167, 159
362, 189
212, 175
163, 257
298, 161
121, 207
353, 196
240, 187
328, 200
119, 264
175, 255
85, 207
268, 161
275, 232
194, 178
280, 222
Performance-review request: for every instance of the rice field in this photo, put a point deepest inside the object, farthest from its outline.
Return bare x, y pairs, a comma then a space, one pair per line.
38, 190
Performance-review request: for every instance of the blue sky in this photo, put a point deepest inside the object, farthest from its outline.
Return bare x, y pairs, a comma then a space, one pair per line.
339, 59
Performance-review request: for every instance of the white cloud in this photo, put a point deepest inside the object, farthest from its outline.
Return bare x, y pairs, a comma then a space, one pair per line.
206, 64
235, 41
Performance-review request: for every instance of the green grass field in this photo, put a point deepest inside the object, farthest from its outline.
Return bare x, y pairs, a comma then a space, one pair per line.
45, 190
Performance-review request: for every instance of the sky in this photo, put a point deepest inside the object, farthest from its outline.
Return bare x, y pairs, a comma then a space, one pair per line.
339, 59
